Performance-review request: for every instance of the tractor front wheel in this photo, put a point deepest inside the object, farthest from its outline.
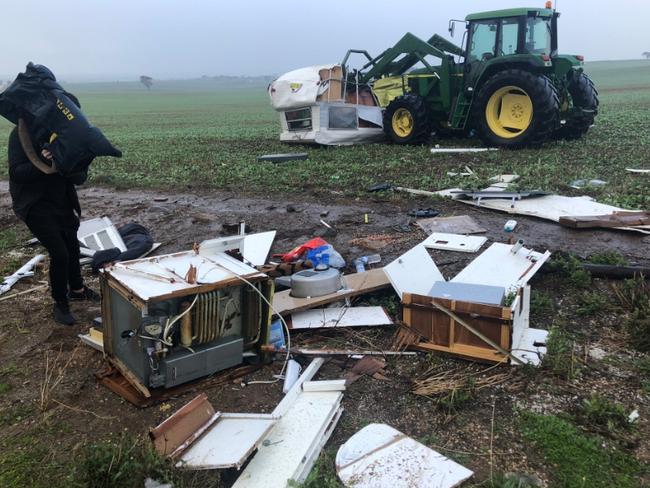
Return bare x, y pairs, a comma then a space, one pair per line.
407, 120
584, 96
516, 108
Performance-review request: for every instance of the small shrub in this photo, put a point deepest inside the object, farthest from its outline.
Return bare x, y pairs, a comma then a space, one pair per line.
634, 295
560, 358
613, 258
123, 464
603, 415
592, 303
540, 303
571, 267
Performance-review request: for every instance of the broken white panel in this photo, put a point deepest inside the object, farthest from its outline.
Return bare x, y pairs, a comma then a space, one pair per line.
293, 444
528, 345
499, 266
99, 234
256, 247
340, 317
379, 456
413, 272
291, 396
453, 150
552, 207
228, 442
297, 88
638, 171
324, 385
161, 275
454, 242
221, 244
25, 271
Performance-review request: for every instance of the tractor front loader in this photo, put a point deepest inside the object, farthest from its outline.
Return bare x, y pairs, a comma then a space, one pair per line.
508, 84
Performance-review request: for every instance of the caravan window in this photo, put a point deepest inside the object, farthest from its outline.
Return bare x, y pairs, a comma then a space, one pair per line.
343, 117
299, 119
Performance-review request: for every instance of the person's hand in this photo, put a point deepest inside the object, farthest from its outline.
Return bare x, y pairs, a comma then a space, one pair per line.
47, 155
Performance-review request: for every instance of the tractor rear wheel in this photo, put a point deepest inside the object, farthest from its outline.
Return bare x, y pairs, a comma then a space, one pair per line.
407, 120
516, 108
585, 96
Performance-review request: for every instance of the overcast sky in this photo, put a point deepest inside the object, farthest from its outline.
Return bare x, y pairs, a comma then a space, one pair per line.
121, 39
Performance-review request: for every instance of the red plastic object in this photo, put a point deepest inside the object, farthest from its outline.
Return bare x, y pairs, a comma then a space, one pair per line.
296, 253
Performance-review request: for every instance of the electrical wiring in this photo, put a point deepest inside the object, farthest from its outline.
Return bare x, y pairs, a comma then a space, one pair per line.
168, 324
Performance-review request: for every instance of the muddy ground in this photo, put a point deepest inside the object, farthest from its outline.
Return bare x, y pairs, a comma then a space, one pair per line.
78, 410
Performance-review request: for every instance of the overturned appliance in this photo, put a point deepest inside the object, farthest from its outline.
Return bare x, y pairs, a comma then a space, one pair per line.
174, 318
325, 105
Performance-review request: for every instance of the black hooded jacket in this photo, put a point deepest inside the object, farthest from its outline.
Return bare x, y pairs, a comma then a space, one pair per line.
33, 191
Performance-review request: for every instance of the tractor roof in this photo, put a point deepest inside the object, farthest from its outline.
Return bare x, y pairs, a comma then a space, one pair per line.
511, 12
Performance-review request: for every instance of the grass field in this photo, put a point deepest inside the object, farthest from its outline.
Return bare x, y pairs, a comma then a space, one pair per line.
200, 135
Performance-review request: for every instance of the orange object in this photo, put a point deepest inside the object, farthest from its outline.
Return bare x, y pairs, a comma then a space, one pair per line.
549, 4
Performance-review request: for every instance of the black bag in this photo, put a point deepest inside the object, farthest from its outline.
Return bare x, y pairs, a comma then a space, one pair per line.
49, 110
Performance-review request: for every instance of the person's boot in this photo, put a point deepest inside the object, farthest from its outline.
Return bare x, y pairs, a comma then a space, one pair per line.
86, 294
62, 314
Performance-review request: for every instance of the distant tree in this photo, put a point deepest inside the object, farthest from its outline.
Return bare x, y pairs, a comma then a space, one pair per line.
146, 81
646, 54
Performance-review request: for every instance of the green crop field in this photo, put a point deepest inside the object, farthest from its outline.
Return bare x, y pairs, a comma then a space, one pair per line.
205, 135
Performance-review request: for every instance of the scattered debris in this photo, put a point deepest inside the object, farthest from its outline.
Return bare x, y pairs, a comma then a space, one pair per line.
510, 226
504, 178
551, 207
461, 224
638, 171
361, 263
291, 447
421, 213
449, 381
337, 352
24, 292
310, 283
99, 234
479, 196
454, 150
367, 365
340, 317
380, 456
377, 242
454, 242
25, 271
579, 184
160, 199
94, 338
281, 158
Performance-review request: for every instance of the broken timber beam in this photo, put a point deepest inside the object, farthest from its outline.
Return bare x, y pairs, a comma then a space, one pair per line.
616, 219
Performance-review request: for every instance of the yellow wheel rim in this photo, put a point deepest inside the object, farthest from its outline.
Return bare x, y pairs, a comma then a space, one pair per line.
509, 112
402, 122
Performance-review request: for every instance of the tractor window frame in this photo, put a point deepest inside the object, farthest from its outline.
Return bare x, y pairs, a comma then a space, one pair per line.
519, 23
471, 56
536, 50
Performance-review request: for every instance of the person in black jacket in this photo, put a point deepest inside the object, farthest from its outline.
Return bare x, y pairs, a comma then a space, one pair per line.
49, 205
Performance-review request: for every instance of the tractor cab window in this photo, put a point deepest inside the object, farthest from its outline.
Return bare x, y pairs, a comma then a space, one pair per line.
483, 40
538, 36
509, 37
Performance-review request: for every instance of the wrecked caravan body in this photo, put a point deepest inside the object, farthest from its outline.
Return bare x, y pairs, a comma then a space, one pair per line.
321, 105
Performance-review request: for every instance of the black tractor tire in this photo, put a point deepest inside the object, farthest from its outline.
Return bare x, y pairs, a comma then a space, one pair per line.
421, 122
583, 95
543, 95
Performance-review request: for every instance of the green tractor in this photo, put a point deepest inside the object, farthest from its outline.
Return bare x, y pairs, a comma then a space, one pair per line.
509, 84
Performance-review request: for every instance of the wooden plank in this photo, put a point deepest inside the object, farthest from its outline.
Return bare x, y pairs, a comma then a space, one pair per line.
476, 309
616, 219
469, 352
182, 424
130, 377
355, 284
